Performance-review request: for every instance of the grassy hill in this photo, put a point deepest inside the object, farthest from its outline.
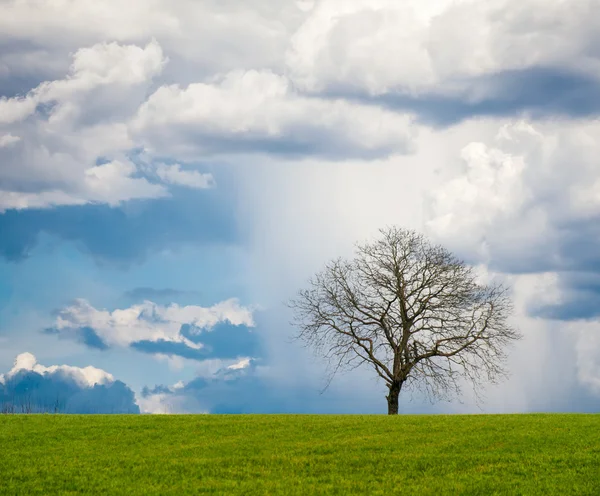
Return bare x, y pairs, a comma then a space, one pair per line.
300, 454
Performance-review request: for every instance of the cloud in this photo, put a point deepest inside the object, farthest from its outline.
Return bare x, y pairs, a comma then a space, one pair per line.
578, 298
445, 43
192, 332
539, 165
173, 174
538, 92
95, 136
92, 69
30, 387
260, 112
526, 201
66, 127
128, 233
321, 121
84, 377
234, 35
8, 140
449, 59
587, 338
16, 109
561, 355
85, 335
224, 341
181, 397
252, 386
109, 183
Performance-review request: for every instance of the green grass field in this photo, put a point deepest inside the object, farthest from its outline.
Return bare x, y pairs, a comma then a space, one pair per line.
300, 454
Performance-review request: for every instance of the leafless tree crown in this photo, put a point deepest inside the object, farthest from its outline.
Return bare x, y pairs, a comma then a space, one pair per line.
411, 310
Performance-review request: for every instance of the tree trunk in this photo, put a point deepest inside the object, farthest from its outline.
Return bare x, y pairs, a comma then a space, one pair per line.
392, 397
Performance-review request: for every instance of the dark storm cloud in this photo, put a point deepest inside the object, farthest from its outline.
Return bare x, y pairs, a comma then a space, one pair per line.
580, 298
24, 64
571, 249
537, 91
299, 141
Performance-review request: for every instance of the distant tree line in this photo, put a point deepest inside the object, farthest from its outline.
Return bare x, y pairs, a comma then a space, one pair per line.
30, 392
29, 404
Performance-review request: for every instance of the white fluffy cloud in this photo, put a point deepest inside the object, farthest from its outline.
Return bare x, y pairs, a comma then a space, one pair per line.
439, 46
173, 174
68, 141
149, 321
259, 111
61, 129
8, 140
15, 109
246, 99
161, 404
85, 377
201, 37
512, 199
30, 387
103, 64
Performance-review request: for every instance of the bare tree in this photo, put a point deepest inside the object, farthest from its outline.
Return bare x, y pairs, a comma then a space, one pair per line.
411, 310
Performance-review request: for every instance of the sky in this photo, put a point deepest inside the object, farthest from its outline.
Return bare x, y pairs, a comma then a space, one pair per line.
172, 172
